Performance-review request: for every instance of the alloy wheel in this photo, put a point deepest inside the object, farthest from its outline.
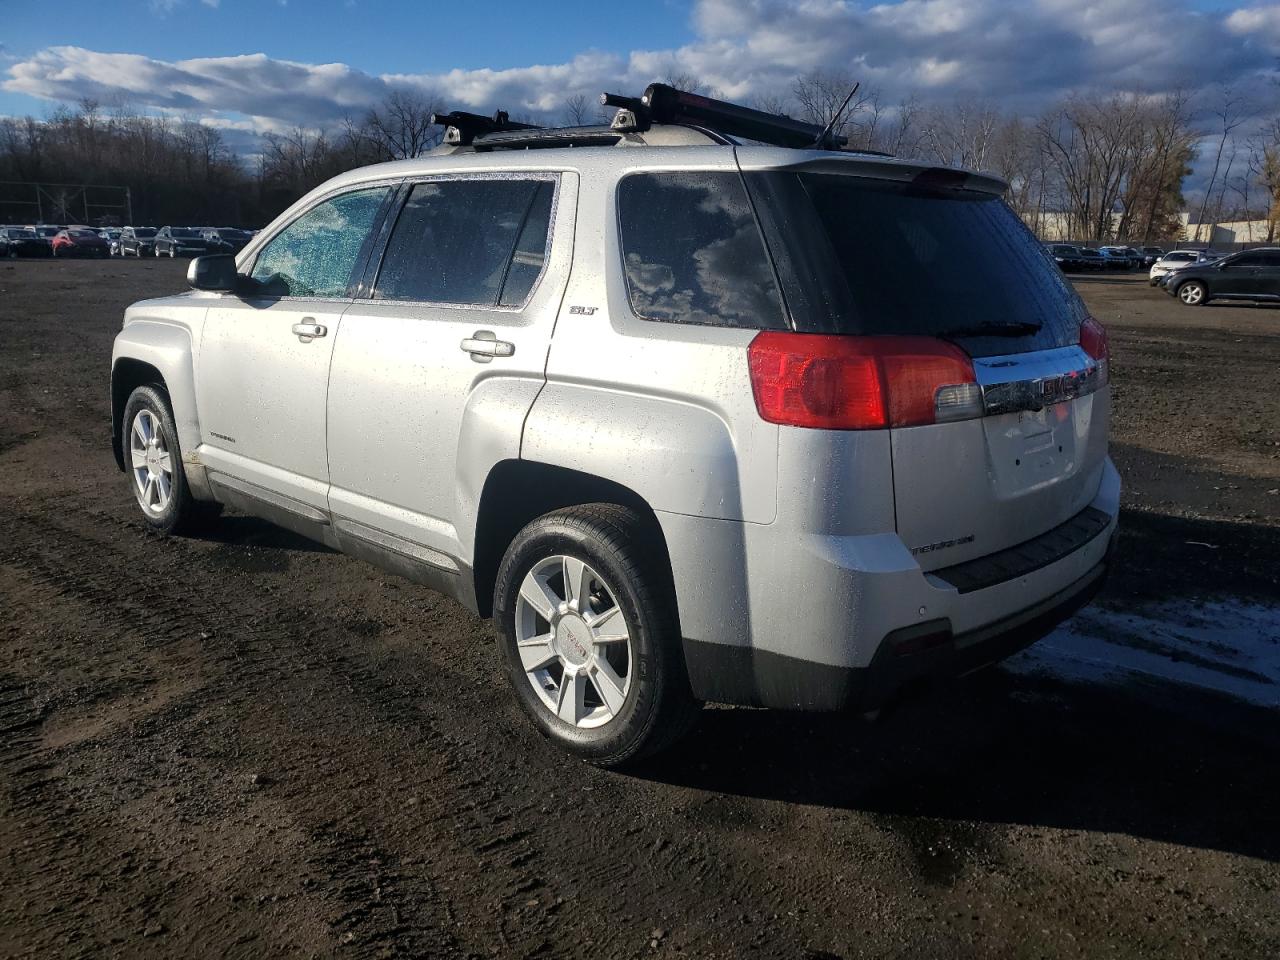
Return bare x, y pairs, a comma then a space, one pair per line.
1191, 293
150, 462
574, 641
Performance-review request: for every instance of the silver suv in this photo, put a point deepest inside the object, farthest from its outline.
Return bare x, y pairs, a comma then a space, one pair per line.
691, 420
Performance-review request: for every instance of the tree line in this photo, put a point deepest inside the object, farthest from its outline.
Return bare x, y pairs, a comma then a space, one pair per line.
1097, 166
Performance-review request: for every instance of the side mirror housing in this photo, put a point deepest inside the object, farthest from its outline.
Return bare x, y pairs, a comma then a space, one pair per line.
215, 272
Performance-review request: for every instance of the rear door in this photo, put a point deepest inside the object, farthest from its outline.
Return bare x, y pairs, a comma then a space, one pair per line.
1269, 274
917, 259
450, 344
1239, 276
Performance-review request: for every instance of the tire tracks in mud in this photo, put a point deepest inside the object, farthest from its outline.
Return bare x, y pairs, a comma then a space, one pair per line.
471, 812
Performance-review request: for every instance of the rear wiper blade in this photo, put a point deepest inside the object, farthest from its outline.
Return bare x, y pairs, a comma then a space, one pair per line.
995, 330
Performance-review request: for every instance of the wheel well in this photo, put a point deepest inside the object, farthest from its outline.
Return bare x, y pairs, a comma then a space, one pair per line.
517, 492
126, 376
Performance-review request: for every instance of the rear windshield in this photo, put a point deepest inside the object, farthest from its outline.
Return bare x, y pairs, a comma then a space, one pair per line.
862, 256
144, 232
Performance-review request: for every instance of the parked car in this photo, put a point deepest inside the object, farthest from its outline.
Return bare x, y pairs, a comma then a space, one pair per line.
79, 242
1067, 257
1116, 258
137, 241
225, 239
47, 231
1248, 275
112, 236
1171, 261
180, 242
1091, 259
636, 453
1150, 255
25, 242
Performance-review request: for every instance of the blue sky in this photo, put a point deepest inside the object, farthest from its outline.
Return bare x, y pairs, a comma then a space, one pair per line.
251, 66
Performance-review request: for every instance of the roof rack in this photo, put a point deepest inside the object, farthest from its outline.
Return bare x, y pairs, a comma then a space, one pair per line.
463, 127
662, 103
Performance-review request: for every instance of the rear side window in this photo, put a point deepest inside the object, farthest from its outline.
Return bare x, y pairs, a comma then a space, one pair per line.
315, 254
475, 242
693, 253
864, 256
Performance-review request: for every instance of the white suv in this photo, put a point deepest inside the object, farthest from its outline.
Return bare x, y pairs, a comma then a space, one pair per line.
691, 420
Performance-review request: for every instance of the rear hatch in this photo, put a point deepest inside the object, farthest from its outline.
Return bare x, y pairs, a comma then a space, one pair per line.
932, 257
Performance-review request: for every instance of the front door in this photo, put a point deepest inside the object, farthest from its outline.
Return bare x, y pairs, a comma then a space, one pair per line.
452, 343
263, 367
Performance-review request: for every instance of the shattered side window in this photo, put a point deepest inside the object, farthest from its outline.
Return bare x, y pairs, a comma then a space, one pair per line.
693, 253
314, 255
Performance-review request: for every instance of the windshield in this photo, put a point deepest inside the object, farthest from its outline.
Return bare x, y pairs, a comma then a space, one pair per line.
145, 232
84, 234
184, 232
866, 256
22, 235
47, 231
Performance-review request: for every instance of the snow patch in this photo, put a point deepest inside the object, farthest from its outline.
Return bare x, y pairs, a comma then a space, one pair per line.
1228, 647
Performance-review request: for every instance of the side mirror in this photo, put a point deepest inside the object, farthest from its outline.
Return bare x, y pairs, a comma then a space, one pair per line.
216, 273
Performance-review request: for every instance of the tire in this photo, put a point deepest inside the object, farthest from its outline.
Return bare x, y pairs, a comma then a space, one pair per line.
156, 251
174, 512
171, 253
1193, 293
613, 552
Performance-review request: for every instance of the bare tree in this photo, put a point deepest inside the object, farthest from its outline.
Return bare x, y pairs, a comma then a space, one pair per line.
401, 125
577, 107
1230, 114
819, 95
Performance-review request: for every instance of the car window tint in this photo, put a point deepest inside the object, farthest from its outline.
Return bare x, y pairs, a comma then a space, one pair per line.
454, 241
315, 254
1247, 260
693, 253
869, 257
1271, 258
531, 248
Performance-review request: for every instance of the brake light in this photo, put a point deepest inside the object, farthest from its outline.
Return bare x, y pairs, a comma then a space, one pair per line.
860, 383
1093, 339
1094, 342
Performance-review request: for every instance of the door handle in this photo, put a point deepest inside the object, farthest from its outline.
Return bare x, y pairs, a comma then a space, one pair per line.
483, 345
308, 329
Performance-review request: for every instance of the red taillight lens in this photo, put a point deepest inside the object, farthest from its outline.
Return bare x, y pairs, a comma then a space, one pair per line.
1093, 339
860, 383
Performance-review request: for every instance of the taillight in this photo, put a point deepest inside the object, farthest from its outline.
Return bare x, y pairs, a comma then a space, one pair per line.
860, 383
1093, 341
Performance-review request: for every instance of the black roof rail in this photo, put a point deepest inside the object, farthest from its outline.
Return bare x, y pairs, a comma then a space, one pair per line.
590, 136
662, 103
464, 127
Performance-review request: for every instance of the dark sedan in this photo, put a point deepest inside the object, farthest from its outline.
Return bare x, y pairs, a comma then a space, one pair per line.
25, 242
1067, 257
226, 239
181, 242
79, 242
1249, 275
1092, 259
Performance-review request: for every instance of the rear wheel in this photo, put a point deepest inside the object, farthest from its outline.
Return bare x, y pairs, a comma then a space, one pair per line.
588, 627
1192, 293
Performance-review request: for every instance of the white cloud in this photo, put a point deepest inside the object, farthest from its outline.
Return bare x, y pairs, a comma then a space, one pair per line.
1262, 23
1019, 54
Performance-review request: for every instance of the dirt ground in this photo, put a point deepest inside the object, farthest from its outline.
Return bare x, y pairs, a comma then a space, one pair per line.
245, 745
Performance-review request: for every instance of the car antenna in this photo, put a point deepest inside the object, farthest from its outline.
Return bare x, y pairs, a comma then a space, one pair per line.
821, 142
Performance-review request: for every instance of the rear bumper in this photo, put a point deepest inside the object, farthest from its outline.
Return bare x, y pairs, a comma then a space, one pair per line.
803, 621
907, 658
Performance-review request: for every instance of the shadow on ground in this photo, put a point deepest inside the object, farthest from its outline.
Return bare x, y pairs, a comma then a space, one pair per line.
998, 748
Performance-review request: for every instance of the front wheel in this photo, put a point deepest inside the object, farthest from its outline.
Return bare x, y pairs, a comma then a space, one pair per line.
153, 459
1192, 293
587, 623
